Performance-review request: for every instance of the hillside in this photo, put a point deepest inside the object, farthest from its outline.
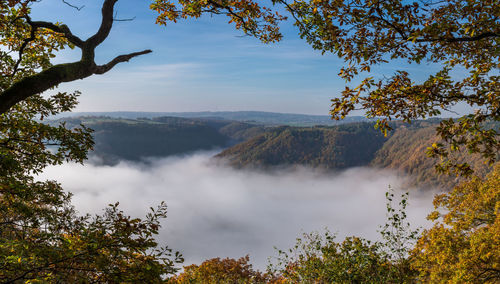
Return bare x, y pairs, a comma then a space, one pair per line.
135, 139
329, 147
351, 145
405, 152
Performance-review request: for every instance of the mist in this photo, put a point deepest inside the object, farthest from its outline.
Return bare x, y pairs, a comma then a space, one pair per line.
217, 211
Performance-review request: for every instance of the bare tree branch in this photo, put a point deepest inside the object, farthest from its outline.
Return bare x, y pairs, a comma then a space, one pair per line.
106, 24
462, 39
73, 6
101, 69
122, 20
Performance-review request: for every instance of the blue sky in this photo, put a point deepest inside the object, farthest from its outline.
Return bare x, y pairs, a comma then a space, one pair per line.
198, 65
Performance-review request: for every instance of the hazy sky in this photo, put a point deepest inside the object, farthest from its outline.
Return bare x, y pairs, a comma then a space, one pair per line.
199, 65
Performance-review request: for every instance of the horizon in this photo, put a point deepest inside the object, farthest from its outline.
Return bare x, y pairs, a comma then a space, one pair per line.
204, 63
244, 111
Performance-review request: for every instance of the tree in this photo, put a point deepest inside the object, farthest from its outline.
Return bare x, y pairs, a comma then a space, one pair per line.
216, 270
42, 238
460, 36
22, 34
320, 259
464, 242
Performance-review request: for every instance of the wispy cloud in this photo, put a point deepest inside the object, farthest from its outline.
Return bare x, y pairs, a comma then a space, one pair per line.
164, 74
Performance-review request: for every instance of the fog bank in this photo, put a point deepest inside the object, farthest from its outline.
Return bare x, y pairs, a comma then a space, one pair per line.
217, 211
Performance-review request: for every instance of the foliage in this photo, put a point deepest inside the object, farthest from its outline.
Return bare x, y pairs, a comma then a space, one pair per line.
320, 259
239, 131
250, 17
41, 235
459, 36
399, 238
42, 238
464, 243
24, 50
216, 270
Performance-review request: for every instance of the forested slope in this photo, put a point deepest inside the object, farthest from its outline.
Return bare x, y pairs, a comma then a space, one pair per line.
135, 139
405, 152
328, 147
257, 146
351, 145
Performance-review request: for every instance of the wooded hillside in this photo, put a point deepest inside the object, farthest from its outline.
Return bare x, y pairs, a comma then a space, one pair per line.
329, 147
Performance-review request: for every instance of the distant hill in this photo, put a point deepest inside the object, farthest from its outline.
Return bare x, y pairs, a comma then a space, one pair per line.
329, 147
351, 145
258, 146
255, 117
134, 139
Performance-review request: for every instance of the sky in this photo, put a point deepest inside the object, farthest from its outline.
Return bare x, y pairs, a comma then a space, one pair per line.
199, 64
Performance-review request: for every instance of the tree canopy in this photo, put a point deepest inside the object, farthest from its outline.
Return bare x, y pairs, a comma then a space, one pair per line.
227, 270
460, 37
42, 237
463, 245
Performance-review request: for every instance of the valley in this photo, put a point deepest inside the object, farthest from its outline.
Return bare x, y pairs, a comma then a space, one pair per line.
260, 146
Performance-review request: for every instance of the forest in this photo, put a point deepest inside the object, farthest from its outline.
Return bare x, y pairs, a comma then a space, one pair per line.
267, 146
406, 127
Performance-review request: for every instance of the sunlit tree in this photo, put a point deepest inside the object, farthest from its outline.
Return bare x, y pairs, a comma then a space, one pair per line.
459, 37
217, 270
463, 245
42, 238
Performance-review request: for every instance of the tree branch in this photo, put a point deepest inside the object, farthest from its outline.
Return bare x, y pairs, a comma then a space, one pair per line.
54, 75
293, 12
229, 11
462, 39
101, 69
106, 24
63, 29
21, 50
73, 6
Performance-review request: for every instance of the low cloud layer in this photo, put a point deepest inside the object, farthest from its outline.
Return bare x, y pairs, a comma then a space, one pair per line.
217, 211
